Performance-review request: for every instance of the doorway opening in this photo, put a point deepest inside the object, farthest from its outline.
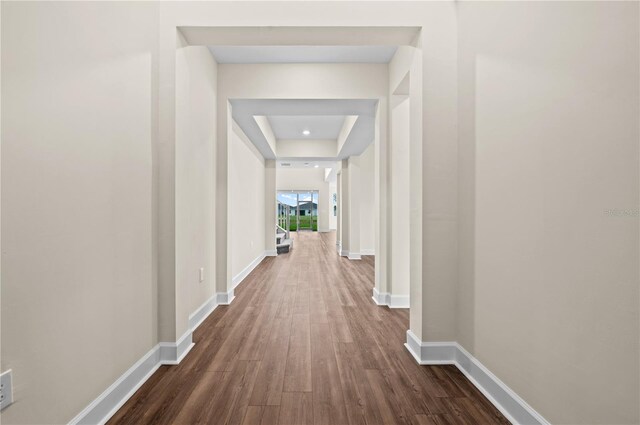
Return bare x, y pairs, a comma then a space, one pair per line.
298, 210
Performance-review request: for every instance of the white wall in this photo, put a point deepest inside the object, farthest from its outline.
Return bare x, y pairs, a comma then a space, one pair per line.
195, 160
367, 201
351, 206
549, 97
307, 179
400, 199
270, 207
434, 184
306, 148
78, 276
347, 126
333, 219
246, 201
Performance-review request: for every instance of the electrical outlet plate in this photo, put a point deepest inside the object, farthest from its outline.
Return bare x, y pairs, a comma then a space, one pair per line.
6, 389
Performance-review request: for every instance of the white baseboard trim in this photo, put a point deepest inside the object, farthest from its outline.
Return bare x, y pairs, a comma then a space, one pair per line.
512, 406
378, 297
398, 301
390, 300
324, 230
367, 252
107, 404
343, 252
198, 316
225, 298
354, 256
113, 398
100, 410
172, 353
237, 279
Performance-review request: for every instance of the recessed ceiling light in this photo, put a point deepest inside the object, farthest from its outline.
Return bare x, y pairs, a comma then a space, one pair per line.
306, 132
316, 166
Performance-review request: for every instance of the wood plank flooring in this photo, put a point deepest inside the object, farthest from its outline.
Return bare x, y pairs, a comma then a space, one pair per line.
303, 343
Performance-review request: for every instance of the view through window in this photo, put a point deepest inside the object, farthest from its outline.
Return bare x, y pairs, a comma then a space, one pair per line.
298, 210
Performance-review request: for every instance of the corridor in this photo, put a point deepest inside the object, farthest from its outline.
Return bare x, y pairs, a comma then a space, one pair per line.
303, 343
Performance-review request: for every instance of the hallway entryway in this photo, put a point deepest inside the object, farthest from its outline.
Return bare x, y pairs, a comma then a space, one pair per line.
303, 343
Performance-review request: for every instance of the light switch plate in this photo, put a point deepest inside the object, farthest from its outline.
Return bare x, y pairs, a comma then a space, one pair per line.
201, 274
6, 389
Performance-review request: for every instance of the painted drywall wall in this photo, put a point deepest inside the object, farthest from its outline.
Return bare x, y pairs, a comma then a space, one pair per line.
367, 201
79, 304
333, 219
345, 207
307, 179
270, 206
196, 87
351, 173
347, 126
339, 196
246, 201
265, 128
400, 199
434, 184
549, 96
281, 81
306, 148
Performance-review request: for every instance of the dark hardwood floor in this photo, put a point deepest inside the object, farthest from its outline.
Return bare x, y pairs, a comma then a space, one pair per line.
303, 343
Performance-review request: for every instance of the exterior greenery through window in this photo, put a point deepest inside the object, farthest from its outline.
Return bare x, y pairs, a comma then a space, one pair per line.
298, 210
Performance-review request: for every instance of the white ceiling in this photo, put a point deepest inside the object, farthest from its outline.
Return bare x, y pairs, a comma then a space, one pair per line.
290, 127
361, 135
303, 54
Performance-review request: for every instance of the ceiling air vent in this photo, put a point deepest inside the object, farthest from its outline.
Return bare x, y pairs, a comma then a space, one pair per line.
285, 164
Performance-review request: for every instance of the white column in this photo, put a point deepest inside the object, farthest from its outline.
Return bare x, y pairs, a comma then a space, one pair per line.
224, 285
382, 207
339, 217
270, 207
399, 199
345, 195
354, 208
